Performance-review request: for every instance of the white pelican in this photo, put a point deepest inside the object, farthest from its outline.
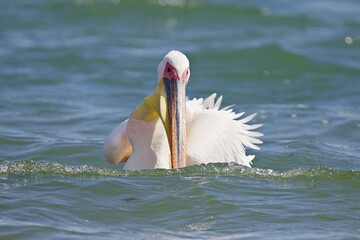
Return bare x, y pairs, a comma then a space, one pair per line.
168, 131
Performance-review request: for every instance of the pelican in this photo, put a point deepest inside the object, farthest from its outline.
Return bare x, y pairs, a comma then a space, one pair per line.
169, 131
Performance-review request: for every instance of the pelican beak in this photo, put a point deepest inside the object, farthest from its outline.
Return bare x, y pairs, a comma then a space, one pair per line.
176, 105
168, 102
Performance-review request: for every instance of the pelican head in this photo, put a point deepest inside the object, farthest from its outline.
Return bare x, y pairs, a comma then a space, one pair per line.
174, 73
178, 65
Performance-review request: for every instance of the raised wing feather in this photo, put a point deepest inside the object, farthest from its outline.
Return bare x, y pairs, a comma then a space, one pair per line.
218, 135
117, 147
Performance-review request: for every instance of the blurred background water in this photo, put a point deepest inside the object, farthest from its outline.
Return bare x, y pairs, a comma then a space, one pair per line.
70, 71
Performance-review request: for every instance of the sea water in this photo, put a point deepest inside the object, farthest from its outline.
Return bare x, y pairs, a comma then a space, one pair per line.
71, 70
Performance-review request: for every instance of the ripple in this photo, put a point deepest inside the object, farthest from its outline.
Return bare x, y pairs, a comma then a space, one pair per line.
30, 167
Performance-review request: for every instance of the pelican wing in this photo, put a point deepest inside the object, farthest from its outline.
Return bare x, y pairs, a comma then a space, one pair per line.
219, 135
117, 147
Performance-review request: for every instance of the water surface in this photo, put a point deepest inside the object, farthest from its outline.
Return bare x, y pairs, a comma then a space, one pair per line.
70, 71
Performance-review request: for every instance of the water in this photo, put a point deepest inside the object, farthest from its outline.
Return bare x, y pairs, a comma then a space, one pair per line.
70, 71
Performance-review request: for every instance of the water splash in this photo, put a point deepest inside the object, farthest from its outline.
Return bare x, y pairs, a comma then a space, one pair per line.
34, 168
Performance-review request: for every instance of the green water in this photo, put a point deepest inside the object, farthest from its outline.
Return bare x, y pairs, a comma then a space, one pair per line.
70, 71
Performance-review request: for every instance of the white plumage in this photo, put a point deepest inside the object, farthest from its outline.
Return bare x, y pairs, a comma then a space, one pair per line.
217, 135
214, 134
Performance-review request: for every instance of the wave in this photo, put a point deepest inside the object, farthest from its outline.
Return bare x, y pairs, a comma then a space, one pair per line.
30, 167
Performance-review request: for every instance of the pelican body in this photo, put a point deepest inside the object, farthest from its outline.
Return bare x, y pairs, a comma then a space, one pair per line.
168, 131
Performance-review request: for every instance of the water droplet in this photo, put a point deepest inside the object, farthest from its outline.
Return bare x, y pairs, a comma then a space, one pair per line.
266, 73
302, 106
348, 40
293, 115
265, 11
324, 122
